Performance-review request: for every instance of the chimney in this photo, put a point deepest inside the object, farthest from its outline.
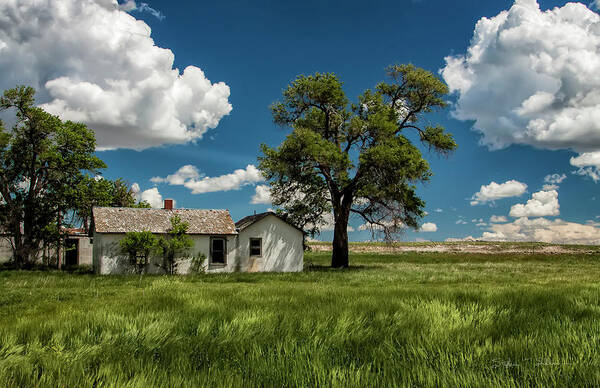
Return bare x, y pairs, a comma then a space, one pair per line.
168, 204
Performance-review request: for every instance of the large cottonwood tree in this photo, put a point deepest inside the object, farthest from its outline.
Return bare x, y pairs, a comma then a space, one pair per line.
42, 159
355, 158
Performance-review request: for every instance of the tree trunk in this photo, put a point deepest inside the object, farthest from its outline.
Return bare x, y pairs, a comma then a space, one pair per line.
339, 253
59, 243
19, 249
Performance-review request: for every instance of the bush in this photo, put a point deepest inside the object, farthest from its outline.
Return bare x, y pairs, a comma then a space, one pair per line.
197, 265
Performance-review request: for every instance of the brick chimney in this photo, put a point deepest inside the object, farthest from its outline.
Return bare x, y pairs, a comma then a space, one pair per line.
168, 204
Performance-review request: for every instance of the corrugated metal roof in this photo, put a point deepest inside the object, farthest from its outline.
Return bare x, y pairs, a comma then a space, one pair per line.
123, 220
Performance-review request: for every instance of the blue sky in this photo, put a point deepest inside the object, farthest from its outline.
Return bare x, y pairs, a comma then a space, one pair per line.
256, 48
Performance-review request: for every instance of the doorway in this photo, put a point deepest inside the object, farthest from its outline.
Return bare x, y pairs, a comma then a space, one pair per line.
71, 252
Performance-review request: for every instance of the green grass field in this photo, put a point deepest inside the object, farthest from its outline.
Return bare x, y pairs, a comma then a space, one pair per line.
391, 320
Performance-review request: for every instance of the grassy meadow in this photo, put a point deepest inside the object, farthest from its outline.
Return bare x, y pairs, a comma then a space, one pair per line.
414, 319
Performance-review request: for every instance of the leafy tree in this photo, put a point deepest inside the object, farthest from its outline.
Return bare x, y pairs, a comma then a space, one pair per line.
90, 192
142, 205
355, 158
121, 194
41, 159
138, 246
174, 245
96, 191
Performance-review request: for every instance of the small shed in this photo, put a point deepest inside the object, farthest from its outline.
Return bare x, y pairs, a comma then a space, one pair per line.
78, 248
76, 251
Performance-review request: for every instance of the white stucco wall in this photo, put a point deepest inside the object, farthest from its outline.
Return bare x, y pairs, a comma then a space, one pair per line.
109, 260
282, 249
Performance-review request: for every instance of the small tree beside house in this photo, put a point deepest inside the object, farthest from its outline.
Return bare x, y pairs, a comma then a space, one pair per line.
138, 246
174, 245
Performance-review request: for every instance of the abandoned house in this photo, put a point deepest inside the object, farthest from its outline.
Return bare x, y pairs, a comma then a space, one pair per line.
258, 243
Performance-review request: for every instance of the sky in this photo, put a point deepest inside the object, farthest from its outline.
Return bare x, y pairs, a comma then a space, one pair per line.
178, 94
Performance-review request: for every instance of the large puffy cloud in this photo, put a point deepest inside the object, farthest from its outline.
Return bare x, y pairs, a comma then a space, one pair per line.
94, 63
189, 176
494, 191
532, 77
544, 230
542, 203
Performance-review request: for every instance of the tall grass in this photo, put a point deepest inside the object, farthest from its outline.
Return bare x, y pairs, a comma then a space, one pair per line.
411, 319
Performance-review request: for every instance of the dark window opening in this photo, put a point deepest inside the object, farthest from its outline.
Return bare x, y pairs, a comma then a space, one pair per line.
256, 247
218, 250
71, 252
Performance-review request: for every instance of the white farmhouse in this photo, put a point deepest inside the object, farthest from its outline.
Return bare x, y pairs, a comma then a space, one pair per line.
262, 242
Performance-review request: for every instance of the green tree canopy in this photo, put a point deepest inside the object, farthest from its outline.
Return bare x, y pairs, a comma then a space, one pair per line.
41, 159
93, 191
355, 158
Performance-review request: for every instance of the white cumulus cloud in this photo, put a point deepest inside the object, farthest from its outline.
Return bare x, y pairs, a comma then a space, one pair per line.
542, 203
152, 196
589, 164
532, 77
262, 195
182, 175
544, 230
189, 177
92, 62
495, 191
498, 219
555, 179
429, 227
552, 181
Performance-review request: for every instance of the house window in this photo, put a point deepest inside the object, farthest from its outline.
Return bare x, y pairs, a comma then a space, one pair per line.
218, 249
256, 247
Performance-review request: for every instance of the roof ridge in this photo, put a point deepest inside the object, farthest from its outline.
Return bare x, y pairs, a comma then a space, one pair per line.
122, 220
154, 208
